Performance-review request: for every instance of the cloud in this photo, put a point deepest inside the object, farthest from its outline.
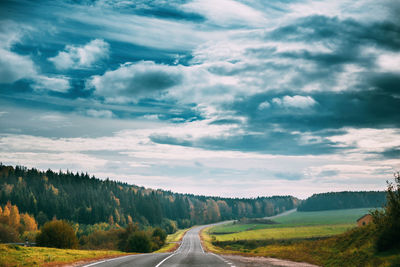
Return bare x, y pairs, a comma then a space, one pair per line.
297, 101
100, 113
77, 57
226, 12
289, 176
389, 62
132, 81
57, 84
14, 67
264, 105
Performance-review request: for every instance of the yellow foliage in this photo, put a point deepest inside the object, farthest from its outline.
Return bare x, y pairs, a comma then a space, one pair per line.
14, 217
10, 216
29, 222
130, 220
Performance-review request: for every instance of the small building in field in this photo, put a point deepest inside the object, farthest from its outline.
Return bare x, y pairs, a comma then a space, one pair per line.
364, 220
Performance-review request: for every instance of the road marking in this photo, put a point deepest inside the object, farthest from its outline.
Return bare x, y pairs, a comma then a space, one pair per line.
103, 261
201, 246
175, 252
224, 260
161, 262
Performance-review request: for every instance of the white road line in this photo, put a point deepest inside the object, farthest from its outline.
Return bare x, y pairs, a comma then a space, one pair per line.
161, 262
98, 262
219, 257
201, 246
175, 252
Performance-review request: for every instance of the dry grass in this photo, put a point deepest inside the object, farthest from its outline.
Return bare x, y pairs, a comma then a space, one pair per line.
13, 256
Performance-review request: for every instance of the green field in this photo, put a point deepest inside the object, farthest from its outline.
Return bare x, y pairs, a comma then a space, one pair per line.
287, 232
339, 220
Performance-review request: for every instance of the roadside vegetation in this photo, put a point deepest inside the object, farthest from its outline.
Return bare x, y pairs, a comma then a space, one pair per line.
172, 241
14, 255
376, 244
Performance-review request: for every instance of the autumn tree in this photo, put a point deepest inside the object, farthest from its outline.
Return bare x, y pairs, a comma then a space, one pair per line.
28, 222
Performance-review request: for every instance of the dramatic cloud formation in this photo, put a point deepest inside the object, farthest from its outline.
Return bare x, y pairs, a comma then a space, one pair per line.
242, 96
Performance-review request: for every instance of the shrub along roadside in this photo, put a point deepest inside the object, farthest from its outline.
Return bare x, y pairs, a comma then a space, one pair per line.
57, 234
132, 239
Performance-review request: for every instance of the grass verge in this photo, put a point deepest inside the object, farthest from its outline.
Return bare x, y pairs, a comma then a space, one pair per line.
172, 241
14, 255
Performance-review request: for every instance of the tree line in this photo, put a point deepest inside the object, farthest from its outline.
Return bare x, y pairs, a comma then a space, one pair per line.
87, 200
343, 200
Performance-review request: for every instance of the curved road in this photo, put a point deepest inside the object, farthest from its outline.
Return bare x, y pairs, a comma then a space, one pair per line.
189, 253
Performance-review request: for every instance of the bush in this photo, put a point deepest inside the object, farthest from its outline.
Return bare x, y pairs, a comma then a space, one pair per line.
388, 221
101, 239
57, 234
8, 234
158, 237
169, 226
139, 241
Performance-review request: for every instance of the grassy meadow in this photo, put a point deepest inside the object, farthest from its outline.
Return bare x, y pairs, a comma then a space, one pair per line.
346, 218
14, 255
294, 225
287, 232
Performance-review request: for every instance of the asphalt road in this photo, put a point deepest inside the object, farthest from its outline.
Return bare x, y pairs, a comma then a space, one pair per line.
190, 253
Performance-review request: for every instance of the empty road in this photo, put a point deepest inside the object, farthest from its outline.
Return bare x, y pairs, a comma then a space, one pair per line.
190, 253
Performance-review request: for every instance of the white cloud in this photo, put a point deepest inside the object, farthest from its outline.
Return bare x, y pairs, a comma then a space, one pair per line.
264, 105
53, 118
226, 12
57, 84
131, 81
369, 140
389, 62
76, 57
297, 101
139, 30
14, 67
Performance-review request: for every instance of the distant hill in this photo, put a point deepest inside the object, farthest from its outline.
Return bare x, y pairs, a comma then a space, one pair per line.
343, 200
88, 200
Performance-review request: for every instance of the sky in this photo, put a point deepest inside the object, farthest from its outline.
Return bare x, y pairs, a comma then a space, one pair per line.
223, 98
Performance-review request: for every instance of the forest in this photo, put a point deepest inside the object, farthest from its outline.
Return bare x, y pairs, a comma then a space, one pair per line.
87, 200
343, 200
